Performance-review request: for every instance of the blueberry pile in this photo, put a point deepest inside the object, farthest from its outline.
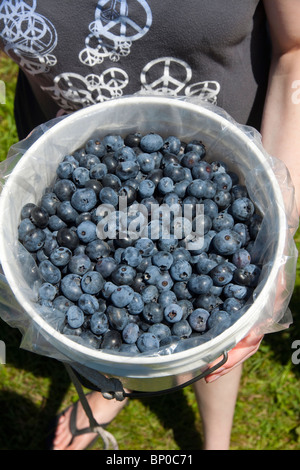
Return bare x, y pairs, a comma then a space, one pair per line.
144, 288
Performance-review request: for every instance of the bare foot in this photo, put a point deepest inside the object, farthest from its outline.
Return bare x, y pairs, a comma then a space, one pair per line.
103, 410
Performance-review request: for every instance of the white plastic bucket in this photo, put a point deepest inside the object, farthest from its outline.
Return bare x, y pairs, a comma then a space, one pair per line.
35, 171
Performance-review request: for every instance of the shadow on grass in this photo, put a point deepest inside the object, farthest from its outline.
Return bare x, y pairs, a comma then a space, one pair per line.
174, 412
23, 424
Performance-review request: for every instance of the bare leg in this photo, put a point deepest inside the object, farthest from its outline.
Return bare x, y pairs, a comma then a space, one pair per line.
216, 403
103, 411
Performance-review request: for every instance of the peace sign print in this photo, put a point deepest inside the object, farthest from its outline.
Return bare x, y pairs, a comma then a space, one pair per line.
167, 75
28, 36
116, 20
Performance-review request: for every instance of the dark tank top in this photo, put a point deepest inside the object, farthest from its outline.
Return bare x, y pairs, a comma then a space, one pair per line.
73, 54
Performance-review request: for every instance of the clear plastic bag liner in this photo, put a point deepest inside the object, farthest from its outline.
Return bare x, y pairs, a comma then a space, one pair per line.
280, 222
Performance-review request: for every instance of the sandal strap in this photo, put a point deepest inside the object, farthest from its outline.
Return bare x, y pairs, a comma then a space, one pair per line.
108, 439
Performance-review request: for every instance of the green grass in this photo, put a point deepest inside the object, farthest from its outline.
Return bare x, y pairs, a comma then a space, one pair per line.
33, 388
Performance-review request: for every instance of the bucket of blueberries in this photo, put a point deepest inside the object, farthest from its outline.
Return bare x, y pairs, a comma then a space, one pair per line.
144, 237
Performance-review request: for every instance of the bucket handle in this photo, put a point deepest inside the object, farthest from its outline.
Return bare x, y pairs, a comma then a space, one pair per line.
204, 374
113, 388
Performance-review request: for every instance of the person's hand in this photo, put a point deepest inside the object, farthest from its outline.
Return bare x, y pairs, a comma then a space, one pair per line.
242, 351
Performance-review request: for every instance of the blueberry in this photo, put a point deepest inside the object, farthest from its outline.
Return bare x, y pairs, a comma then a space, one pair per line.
112, 142
84, 199
99, 323
223, 181
196, 146
151, 143
223, 221
64, 170
172, 144
133, 139
198, 319
56, 223
80, 176
173, 313
181, 329
130, 333
60, 256
202, 170
124, 274
97, 249
49, 272
131, 256
232, 305
149, 294
127, 169
221, 274
88, 303
181, 291
24, 228
108, 289
87, 231
147, 342
241, 258
222, 198
75, 317
105, 266
79, 264
160, 330
68, 238
39, 217
165, 281
219, 319
122, 296
71, 287
26, 210
47, 291
226, 242
165, 185
117, 317
61, 303
49, 203
136, 304
153, 313
190, 159
96, 147
125, 153
236, 291
174, 171
163, 260
247, 276
181, 270
199, 284
112, 181
92, 282
152, 275
146, 188
208, 301
112, 341
145, 246
146, 162
242, 209
88, 160
64, 189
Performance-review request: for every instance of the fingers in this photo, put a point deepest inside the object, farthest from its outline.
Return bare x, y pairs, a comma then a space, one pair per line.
242, 351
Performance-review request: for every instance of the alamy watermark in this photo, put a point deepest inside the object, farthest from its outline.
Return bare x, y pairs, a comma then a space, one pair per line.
2, 352
2, 92
296, 93
296, 353
157, 221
